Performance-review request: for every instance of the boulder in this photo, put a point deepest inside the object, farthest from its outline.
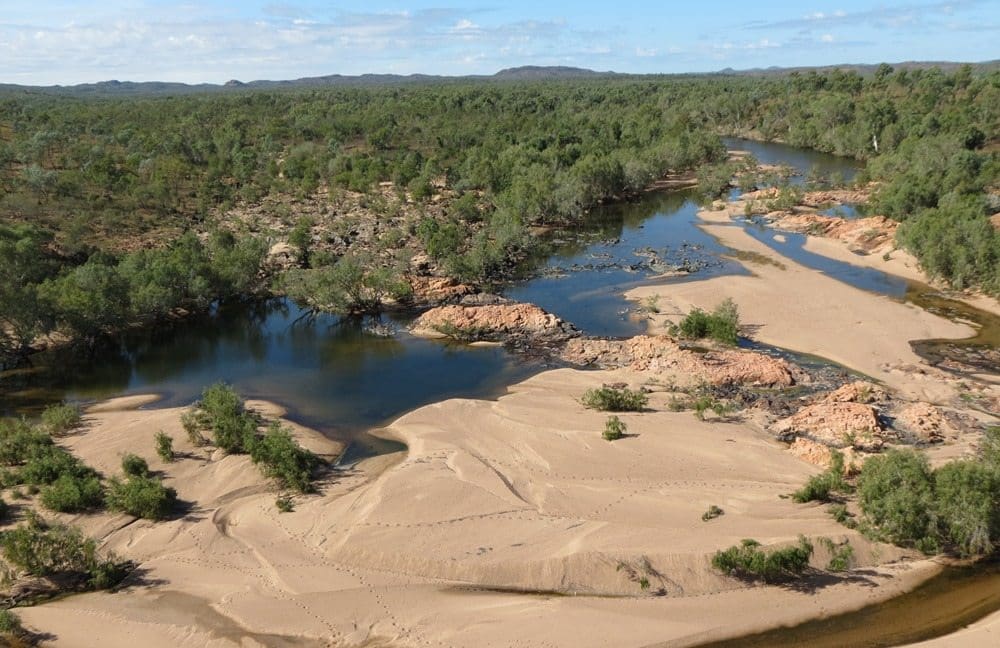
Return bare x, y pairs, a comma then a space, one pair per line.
834, 424
497, 322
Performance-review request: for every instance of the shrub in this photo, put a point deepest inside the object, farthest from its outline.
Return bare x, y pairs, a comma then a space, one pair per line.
57, 550
748, 560
73, 493
285, 504
712, 513
46, 464
615, 399
134, 465
192, 426
820, 487
967, 496
895, 492
59, 419
164, 446
143, 497
722, 324
841, 556
282, 459
18, 439
221, 411
10, 625
614, 429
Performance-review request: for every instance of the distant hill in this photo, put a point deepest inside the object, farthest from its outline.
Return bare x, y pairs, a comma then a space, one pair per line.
523, 73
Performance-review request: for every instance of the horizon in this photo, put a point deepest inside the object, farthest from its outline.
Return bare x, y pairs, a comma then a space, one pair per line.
69, 43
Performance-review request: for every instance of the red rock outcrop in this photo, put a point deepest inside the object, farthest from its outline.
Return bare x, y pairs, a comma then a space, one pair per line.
662, 353
834, 424
502, 322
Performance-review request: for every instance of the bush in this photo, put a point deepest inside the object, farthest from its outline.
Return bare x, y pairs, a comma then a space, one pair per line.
59, 419
10, 625
749, 561
820, 487
615, 399
284, 504
282, 459
18, 439
614, 429
143, 497
46, 464
73, 493
896, 494
967, 495
722, 324
164, 446
221, 411
56, 550
134, 465
712, 513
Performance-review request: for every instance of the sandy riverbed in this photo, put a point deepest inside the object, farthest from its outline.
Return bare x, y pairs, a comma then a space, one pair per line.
498, 504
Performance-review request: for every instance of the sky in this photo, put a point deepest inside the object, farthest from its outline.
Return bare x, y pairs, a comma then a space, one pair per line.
44, 42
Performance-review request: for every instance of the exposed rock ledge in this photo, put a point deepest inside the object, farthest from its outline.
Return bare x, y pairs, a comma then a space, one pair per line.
661, 354
494, 319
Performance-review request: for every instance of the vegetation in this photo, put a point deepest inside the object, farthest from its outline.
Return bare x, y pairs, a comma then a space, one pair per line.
722, 324
222, 412
135, 466
59, 419
281, 458
712, 513
57, 551
164, 446
750, 561
615, 399
821, 487
614, 429
141, 496
953, 507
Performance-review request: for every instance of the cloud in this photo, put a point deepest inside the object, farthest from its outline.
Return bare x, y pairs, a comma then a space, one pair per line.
894, 16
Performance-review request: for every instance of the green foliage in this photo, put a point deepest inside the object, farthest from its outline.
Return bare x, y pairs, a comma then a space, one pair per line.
18, 440
821, 487
164, 446
10, 625
281, 458
967, 498
841, 556
712, 513
141, 496
56, 550
73, 493
221, 411
135, 466
615, 399
749, 561
351, 286
614, 429
284, 504
722, 324
59, 419
896, 494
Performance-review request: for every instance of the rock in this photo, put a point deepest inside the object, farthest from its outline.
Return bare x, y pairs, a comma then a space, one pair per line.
924, 423
834, 424
658, 354
859, 391
811, 452
503, 322
282, 255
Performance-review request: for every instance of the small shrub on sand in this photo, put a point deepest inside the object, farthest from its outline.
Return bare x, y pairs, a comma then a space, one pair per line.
712, 513
615, 399
135, 466
749, 561
142, 497
722, 324
164, 446
60, 419
614, 429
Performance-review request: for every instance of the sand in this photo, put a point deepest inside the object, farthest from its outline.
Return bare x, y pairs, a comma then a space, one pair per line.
789, 305
515, 494
509, 522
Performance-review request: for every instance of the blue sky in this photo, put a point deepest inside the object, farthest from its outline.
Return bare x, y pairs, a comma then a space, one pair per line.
63, 41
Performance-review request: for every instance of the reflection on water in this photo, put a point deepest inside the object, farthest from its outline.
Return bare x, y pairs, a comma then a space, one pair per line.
589, 289
802, 160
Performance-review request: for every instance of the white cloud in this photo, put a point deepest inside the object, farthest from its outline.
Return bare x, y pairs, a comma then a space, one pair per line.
827, 38
644, 52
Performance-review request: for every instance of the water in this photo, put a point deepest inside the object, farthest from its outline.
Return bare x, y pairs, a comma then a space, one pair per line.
342, 380
802, 160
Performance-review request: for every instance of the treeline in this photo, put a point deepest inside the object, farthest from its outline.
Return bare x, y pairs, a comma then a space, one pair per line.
42, 291
931, 139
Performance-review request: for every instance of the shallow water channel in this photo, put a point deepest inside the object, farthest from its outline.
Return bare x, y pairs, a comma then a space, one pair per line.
343, 380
